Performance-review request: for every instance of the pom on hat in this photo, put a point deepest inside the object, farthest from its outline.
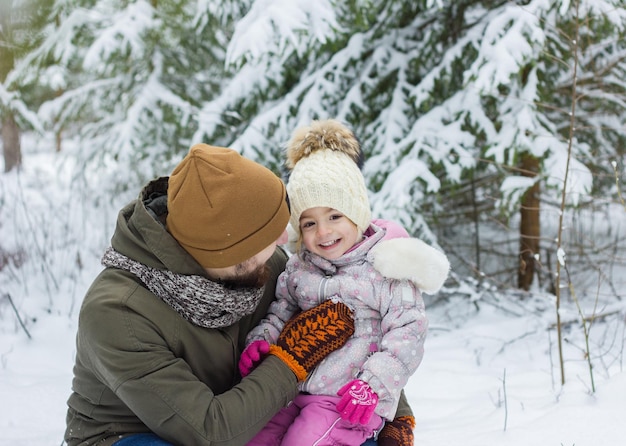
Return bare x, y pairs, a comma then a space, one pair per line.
223, 208
322, 135
323, 160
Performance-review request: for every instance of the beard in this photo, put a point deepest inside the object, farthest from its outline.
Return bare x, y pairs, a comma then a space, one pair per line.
257, 278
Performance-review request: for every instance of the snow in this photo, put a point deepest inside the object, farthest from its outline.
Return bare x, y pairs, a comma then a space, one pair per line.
490, 374
274, 25
491, 380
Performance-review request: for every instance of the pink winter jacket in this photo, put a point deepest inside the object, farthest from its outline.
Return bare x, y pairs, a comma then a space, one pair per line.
390, 320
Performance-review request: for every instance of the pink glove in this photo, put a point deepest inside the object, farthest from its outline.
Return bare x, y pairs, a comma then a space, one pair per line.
252, 355
358, 402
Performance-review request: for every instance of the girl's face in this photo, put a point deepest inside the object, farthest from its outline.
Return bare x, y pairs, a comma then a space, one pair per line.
327, 232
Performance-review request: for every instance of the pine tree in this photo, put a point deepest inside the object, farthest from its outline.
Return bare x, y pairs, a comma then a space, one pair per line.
20, 25
455, 102
135, 74
463, 108
10, 130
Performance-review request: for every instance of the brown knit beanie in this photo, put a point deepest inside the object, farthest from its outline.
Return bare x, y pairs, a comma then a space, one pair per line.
224, 208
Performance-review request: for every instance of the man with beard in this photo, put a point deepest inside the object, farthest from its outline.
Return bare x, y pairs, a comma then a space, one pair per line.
191, 269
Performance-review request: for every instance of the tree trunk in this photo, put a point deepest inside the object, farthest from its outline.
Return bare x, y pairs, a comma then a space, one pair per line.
11, 143
530, 230
10, 130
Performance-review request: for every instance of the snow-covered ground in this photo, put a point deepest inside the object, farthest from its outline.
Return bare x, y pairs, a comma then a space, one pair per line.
490, 375
488, 378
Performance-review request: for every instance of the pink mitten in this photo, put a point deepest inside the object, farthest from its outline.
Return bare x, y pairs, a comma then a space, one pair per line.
358, 402
252, 355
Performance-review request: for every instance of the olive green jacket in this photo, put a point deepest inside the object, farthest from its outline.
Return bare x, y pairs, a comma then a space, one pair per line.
141, 367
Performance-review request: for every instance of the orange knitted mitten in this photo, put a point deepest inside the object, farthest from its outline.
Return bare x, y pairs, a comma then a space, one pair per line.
312, 335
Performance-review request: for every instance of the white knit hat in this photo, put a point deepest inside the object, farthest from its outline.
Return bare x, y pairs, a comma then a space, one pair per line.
324, 173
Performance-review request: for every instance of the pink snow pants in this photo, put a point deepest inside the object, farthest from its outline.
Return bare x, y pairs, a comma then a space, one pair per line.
313, 420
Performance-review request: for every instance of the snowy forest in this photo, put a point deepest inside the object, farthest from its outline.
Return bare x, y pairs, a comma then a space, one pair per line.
493, 129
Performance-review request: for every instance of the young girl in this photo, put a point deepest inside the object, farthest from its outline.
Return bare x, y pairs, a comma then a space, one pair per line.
345, 257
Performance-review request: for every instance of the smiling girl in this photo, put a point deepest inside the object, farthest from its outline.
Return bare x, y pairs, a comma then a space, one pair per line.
343, 256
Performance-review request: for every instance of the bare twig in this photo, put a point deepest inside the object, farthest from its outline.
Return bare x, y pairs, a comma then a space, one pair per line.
17, 314
559, 241
593, 317
506, 408
586, 327
619, 191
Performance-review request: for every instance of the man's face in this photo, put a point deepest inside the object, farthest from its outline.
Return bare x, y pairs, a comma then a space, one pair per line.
256, 278
251, 273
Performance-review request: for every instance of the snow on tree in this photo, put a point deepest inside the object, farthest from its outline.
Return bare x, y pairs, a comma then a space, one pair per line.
454, 102
20, 22
439, 93
135, 74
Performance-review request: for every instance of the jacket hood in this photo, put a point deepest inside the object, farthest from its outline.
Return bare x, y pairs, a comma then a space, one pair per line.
141, 235
412, 259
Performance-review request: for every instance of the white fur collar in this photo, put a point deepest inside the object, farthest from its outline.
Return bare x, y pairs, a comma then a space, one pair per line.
411, 258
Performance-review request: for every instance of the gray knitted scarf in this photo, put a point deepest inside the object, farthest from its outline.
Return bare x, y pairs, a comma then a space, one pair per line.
199, 300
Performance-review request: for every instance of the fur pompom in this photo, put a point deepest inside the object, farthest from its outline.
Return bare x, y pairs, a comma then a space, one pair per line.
412, 259
320, 135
